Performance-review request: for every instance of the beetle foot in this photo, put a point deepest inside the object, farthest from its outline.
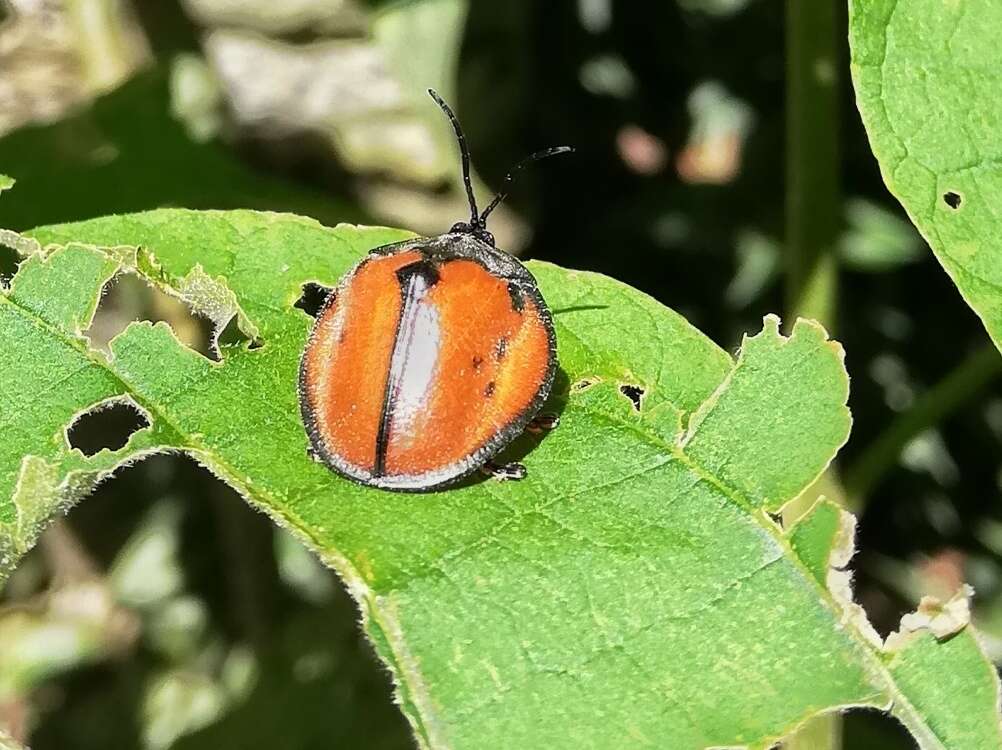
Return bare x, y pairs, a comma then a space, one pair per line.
504, 472
543, 423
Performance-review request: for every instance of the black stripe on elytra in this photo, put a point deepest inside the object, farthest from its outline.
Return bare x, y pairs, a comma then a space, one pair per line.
426, 269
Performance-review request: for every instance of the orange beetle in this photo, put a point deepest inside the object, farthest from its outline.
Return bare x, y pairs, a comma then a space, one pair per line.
429, 357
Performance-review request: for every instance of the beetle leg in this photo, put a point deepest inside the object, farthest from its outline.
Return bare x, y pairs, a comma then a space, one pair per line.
504, 472
543, 423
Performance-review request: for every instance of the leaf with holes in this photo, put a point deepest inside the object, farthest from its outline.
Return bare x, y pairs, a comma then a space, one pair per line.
633, 590
927, 74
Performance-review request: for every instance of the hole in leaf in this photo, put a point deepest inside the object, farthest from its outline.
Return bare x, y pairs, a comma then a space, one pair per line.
108, 425
583, 385
870, 727
232, 336
952, 199
633, 392
128, 298
312, 298
9, 260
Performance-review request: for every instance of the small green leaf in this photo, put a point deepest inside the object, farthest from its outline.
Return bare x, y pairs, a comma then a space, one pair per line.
927, 86
6, 183
632, 590
876, 239
771, 473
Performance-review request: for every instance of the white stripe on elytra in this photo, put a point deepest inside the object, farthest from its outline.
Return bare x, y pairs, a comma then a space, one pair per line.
415, 356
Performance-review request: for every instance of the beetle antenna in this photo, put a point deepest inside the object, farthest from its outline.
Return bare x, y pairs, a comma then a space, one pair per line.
503, 193
464, 152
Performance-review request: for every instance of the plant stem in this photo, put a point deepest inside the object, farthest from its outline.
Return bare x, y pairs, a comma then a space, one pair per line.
813, 195
962, 383
813, 200
813, 208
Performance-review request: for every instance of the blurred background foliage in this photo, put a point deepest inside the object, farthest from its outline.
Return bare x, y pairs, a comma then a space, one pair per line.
163, 613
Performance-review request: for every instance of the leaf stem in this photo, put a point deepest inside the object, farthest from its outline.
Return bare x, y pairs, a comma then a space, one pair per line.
949, 394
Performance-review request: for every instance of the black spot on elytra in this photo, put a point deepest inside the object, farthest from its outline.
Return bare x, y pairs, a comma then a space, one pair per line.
313, 298
477, 361
952, 199
501, 348
633, 392
489, 389
517, 298
107, 426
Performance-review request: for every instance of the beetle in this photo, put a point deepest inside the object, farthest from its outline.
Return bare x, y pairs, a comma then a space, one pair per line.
429, 356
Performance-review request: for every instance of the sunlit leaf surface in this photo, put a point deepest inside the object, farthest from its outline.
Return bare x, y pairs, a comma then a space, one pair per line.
927, 77
634, 590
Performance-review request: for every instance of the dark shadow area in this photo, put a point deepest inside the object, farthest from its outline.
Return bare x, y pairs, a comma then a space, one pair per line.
317, 684
549, 417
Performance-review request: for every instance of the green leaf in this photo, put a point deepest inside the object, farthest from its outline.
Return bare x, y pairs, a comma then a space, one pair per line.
634, 589
926, 74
